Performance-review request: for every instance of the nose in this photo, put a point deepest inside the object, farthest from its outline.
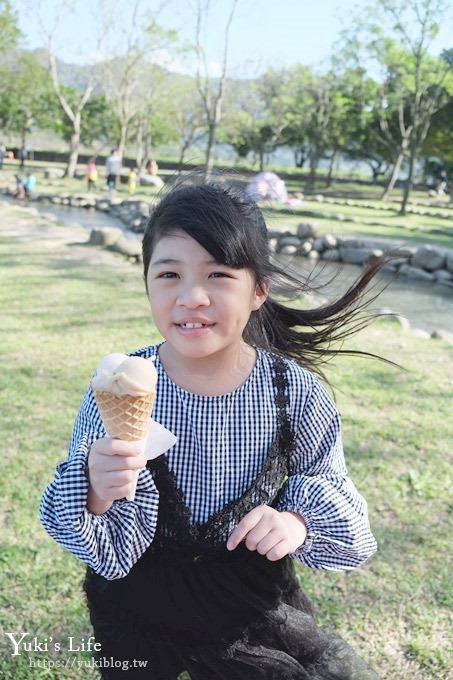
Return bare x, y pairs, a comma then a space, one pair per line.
193, 296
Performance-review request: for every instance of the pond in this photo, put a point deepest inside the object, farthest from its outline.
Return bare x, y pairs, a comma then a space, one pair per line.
428, 307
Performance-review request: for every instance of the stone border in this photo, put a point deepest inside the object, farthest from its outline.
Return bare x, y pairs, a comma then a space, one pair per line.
424, 263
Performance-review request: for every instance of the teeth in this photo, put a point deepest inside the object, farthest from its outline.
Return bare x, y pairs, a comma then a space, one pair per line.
192, 325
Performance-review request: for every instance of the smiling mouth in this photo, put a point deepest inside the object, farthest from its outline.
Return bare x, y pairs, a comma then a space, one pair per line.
191, 325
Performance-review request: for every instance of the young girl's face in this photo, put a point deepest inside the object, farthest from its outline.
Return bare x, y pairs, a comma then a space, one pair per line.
200, 307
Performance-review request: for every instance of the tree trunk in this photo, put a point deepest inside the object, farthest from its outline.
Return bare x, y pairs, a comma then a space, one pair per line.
209, 162
330, 173
123, 139
408, 185
314, 160
182, 153
393, 178
73, 147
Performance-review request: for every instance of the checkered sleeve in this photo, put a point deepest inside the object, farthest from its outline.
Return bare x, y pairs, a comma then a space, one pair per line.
318, 487
110, 543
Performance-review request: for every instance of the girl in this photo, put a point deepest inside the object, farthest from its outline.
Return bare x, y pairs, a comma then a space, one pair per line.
197, 573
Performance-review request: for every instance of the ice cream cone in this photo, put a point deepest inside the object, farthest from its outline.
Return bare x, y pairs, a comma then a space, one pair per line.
124, 389
125, 417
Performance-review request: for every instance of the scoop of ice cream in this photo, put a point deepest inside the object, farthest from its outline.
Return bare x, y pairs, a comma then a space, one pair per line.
130, 375
110, 362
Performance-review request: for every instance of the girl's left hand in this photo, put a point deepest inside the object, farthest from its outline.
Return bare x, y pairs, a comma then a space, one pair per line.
269, 532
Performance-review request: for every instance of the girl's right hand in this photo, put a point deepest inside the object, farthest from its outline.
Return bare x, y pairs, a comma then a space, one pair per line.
111, 472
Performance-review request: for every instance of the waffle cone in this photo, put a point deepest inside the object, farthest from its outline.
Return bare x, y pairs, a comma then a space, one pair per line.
125, 417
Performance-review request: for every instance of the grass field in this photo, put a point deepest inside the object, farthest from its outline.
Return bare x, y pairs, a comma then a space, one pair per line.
63, 308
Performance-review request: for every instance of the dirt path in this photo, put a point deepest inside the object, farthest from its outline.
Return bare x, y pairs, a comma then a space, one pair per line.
26, 224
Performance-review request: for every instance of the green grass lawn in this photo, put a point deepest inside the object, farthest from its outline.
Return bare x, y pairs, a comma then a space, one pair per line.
60, 314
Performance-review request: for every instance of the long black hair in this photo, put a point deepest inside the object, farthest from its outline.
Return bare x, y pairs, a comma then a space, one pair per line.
232, 229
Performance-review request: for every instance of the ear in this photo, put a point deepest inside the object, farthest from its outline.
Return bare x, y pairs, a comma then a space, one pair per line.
260, 295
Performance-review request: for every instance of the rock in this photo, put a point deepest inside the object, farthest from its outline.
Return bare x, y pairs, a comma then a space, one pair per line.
358, 255
448, 284
103, 205
443, 276
443, 335
331, 255
288, 249
307, 230
286, 241
105, 236
318, 245
416, 273
138, 225
272, 243
329, 241
449, 262
48, 217
429, 258
306, 247
53, 173
421, 333
129, 247
390, 315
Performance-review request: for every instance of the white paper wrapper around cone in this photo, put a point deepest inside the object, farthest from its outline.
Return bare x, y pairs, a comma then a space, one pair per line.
128, 417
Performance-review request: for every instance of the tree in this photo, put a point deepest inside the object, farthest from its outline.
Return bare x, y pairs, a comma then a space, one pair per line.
397, 36
358, 121
9, 31
97, 126
255, 116
186, 115
25, 94
311, 102
211, 90
439, 140
128, 79
71, 106
50, 18
72, 109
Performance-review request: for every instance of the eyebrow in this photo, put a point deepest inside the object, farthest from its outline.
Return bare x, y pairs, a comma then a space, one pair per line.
164, 260
173, 260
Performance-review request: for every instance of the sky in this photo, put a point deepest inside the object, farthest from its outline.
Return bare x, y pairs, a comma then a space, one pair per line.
264, 33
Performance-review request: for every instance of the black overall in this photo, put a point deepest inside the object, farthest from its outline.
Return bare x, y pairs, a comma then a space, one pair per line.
191, 605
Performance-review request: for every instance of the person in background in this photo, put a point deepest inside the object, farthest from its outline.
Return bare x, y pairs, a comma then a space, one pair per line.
24, 187
113, 167
132, 181
29, 185
151, 178
92, 174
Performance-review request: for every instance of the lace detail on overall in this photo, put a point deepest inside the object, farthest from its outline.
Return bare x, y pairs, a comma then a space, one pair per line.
174, 515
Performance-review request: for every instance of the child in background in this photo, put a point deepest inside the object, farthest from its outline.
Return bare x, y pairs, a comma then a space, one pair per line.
92, 174
132, 181
197, 573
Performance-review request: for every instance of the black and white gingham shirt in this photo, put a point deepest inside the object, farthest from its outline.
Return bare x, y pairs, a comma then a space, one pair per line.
222, 443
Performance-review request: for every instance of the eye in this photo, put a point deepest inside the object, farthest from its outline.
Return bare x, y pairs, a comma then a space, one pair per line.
167, 275
219, 275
